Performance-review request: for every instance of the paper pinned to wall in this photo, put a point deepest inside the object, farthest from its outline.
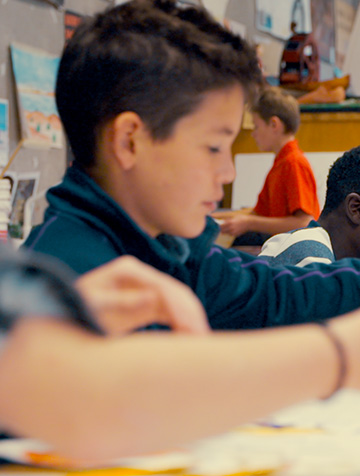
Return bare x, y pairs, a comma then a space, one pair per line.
344, 19
351, 63
35, 75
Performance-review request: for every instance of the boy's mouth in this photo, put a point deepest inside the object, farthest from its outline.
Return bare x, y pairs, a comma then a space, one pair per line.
212, 206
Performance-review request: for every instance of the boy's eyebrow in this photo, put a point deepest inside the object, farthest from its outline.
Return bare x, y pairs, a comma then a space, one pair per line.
224, 130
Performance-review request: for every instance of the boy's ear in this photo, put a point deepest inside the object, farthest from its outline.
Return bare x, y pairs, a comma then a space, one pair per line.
352, 207
276, 123
126, 129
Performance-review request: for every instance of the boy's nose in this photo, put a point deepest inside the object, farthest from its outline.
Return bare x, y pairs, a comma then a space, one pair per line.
228, 169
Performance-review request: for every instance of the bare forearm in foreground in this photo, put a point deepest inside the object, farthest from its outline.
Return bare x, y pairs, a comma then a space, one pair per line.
95, 397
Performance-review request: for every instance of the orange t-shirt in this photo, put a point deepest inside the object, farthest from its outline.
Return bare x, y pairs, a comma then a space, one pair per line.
289, 186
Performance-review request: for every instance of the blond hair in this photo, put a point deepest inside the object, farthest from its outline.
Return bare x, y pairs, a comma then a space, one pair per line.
273, 101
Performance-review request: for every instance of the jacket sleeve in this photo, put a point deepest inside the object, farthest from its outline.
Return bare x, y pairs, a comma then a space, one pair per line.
242, 291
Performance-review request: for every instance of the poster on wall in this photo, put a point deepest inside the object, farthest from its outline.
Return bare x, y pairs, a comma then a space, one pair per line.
275, 17
4, 132
351, 62
35, 76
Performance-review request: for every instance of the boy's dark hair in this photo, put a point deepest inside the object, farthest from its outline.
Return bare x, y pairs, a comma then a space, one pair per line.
343, 178
150, 57
273, 101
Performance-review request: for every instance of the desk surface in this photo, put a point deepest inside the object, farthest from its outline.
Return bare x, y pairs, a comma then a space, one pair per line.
319, 438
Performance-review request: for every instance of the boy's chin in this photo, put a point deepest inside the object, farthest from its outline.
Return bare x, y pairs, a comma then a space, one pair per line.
194, 231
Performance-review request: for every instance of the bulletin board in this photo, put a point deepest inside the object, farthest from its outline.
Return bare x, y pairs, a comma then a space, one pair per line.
39, 25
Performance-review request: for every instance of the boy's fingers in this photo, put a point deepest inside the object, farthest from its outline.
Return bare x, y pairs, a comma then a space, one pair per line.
130, 290
184, 309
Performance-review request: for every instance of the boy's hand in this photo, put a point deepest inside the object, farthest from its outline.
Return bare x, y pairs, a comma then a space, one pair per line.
224, 215
126, 294
227, 214
236, 226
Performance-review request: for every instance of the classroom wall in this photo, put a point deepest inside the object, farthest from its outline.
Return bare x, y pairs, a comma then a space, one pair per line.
245, 13
39, 24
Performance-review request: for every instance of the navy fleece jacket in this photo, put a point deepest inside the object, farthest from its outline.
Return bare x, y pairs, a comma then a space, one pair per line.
85, 228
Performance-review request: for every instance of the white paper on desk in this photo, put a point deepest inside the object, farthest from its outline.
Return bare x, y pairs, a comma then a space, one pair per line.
213, 457
319, 438
331, 451
341, 413
36, 453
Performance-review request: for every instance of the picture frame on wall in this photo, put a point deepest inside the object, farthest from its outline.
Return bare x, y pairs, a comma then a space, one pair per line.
24, 190
4, 132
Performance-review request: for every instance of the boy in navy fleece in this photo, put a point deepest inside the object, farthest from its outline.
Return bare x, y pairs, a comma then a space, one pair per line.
151, 96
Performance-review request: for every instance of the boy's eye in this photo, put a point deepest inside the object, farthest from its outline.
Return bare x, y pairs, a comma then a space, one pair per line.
214, 150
